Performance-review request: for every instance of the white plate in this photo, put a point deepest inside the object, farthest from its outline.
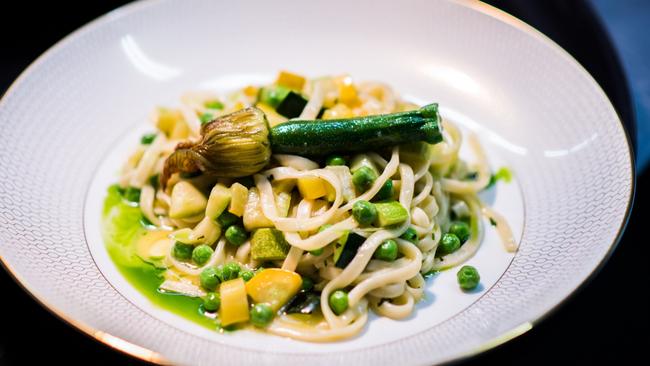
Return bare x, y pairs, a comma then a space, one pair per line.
68, 121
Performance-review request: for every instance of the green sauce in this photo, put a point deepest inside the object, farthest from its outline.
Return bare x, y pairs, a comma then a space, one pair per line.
122, 226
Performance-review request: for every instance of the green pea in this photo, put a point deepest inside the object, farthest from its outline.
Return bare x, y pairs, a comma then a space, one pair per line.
132, 194
236, 235
363, 178
211, 301
386, 191
213, 104
230, 271
387, 251
307, 283
411, 235
201, 254
246, 275
364, 212
226, 219
182, 251
468, 278
148, 138
261, 315
205, 118
209, 278
335, 160
338, 301
461, 230
449, 243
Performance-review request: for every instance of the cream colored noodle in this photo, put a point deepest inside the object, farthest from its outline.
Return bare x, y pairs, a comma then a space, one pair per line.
432, 188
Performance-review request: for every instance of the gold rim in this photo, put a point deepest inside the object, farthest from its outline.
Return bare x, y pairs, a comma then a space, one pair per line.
148, 355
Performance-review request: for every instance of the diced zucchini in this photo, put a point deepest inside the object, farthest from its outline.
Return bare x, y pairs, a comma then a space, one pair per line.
273, 95
292, 105
218, 201
271, 115
390, 213
304, 303
312, 187
274, 286
253, 215
345, 252
268, 244
290, 80
186, 201
283, 202
234, 302
238, 199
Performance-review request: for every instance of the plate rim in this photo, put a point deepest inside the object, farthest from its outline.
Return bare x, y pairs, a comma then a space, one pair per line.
142, 353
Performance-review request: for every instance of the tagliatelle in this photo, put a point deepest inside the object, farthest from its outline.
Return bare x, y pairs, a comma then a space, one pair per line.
301, 215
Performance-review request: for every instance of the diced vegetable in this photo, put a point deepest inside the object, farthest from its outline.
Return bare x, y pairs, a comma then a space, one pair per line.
227, 219
343, 254
206, 117
167, 120
291, 80
292, 105
271, 115
182, 251
390, 213
234, 302
273, 95
205, 232
132, 194
312, 187
148, 138
213, 104
268, 244
238, 199
186, 201
348, 93
274, 287
253, 216
218, 201
304, 303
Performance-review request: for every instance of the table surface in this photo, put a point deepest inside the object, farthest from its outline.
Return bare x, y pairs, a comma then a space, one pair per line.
606, 321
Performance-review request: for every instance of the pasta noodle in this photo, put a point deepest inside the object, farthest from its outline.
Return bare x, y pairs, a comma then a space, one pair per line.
313, 207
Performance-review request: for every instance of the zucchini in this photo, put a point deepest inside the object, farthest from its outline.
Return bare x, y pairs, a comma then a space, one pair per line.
344, 254
390, 213
292, 105
268, 245
357, 134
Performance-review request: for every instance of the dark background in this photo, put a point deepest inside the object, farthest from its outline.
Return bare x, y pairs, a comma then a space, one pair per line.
606, 321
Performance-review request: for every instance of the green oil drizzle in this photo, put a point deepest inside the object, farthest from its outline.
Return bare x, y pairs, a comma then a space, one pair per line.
122, 226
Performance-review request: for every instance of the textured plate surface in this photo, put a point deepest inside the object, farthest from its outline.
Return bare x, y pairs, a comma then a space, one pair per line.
533, 105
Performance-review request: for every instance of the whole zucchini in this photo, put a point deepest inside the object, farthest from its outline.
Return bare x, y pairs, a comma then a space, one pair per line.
240, 144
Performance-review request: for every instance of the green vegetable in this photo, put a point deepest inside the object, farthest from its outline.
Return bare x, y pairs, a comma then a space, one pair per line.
304, 303
226, 219
132, 194
468, 278
347, 250
364, 212
211, 301
335, 160
261, 315
387, 251
357, 134
292, 105
363, 178
338, 301
182, 251
239, 144
213, 104
230, 271
449, 243
390, 213
386, 191
236, 235
206, 118
148, 138
273, 95
317, 252
307, 283
209, 278
268, 244
201, 254
501, 174
461, 230
246, 275
411, 235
